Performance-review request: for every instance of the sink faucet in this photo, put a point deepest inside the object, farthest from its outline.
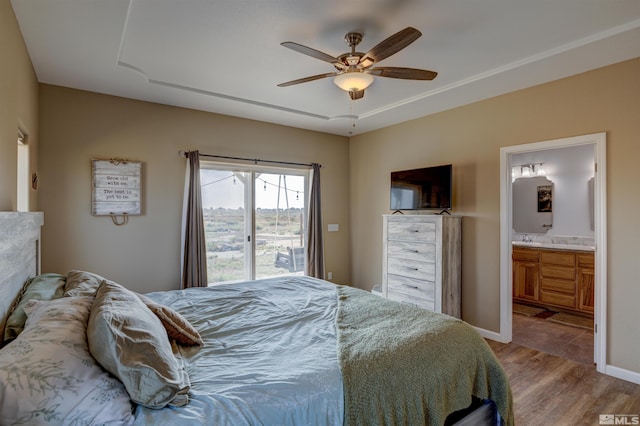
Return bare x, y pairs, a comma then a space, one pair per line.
526, 238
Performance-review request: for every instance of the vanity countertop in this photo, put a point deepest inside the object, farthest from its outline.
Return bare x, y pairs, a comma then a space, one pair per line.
554, 246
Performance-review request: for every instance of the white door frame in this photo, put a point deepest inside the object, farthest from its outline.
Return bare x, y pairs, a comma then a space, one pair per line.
600, 235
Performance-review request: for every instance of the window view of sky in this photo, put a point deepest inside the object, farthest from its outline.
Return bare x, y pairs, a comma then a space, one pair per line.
223, 188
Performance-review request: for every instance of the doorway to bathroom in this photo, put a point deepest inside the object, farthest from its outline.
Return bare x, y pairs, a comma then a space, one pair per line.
558, 235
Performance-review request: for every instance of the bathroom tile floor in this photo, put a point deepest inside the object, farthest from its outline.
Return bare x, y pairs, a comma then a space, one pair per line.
573, 343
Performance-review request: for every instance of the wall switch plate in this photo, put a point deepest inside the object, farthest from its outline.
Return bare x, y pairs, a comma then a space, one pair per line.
333, 227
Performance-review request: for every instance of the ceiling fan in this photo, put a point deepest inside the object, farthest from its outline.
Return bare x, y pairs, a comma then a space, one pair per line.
354, 73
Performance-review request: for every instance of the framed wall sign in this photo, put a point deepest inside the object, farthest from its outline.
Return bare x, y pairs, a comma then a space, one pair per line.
116, 187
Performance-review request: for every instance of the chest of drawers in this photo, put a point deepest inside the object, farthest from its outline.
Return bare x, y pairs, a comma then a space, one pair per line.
421, 261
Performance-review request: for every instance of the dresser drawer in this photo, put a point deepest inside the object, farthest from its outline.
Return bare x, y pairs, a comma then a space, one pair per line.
585, 260
411, 268
558, 258
558, 286
411, 250
416, 301
525, 254
411, 231
558, 292
557, 271
558, 299
408, 290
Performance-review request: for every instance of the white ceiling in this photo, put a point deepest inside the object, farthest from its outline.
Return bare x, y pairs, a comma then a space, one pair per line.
225, 56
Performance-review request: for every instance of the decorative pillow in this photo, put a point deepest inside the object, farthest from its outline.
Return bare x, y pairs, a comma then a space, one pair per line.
177, 326
48, 376
129, 341
81, 283
42, 287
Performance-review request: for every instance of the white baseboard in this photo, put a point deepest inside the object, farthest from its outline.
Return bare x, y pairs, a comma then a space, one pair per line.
621, 373
491, 335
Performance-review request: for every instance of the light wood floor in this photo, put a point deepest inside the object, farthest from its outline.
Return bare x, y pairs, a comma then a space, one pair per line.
569, 342
551, 390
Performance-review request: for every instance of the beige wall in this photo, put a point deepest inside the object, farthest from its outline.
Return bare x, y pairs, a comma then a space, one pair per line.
144, 255
470, 137
18, 107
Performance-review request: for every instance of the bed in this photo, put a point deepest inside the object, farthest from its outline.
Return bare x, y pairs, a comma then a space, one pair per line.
292, 350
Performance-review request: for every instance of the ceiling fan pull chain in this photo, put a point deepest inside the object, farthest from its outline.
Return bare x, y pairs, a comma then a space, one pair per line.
352, 115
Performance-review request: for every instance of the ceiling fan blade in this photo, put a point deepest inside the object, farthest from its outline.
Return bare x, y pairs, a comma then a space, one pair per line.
314, 53
404, 73
392, 44
306, 79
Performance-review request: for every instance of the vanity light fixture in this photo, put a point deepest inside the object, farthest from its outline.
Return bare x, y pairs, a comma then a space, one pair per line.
527, 170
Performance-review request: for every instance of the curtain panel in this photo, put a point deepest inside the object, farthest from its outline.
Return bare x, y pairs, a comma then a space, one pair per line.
315, 249
194, 261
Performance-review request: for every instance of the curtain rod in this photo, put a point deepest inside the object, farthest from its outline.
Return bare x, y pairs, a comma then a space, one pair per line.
255, 160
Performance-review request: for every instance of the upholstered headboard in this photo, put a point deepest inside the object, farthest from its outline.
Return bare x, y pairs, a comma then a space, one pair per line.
19, 255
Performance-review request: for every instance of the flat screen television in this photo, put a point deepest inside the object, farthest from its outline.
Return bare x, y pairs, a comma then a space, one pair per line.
428, 188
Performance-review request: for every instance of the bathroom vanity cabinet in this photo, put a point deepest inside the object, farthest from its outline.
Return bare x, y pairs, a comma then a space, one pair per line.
554, 278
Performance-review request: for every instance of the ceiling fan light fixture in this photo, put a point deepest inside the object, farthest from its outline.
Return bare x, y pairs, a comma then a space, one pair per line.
353, 81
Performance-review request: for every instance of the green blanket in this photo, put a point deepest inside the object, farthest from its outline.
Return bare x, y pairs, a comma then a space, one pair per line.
405, 365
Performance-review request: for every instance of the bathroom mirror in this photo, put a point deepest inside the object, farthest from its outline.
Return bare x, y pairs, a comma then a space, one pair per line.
532, 205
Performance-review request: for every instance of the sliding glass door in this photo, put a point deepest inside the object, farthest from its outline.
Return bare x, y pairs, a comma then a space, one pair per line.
254, 221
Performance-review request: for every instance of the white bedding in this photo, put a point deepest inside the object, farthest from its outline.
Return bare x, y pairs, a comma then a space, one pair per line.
269, 357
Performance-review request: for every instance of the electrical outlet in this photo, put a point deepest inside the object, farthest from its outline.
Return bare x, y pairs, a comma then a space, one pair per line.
329, 275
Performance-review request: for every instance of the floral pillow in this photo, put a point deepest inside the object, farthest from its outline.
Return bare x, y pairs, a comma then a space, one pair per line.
48, 376
42, 287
